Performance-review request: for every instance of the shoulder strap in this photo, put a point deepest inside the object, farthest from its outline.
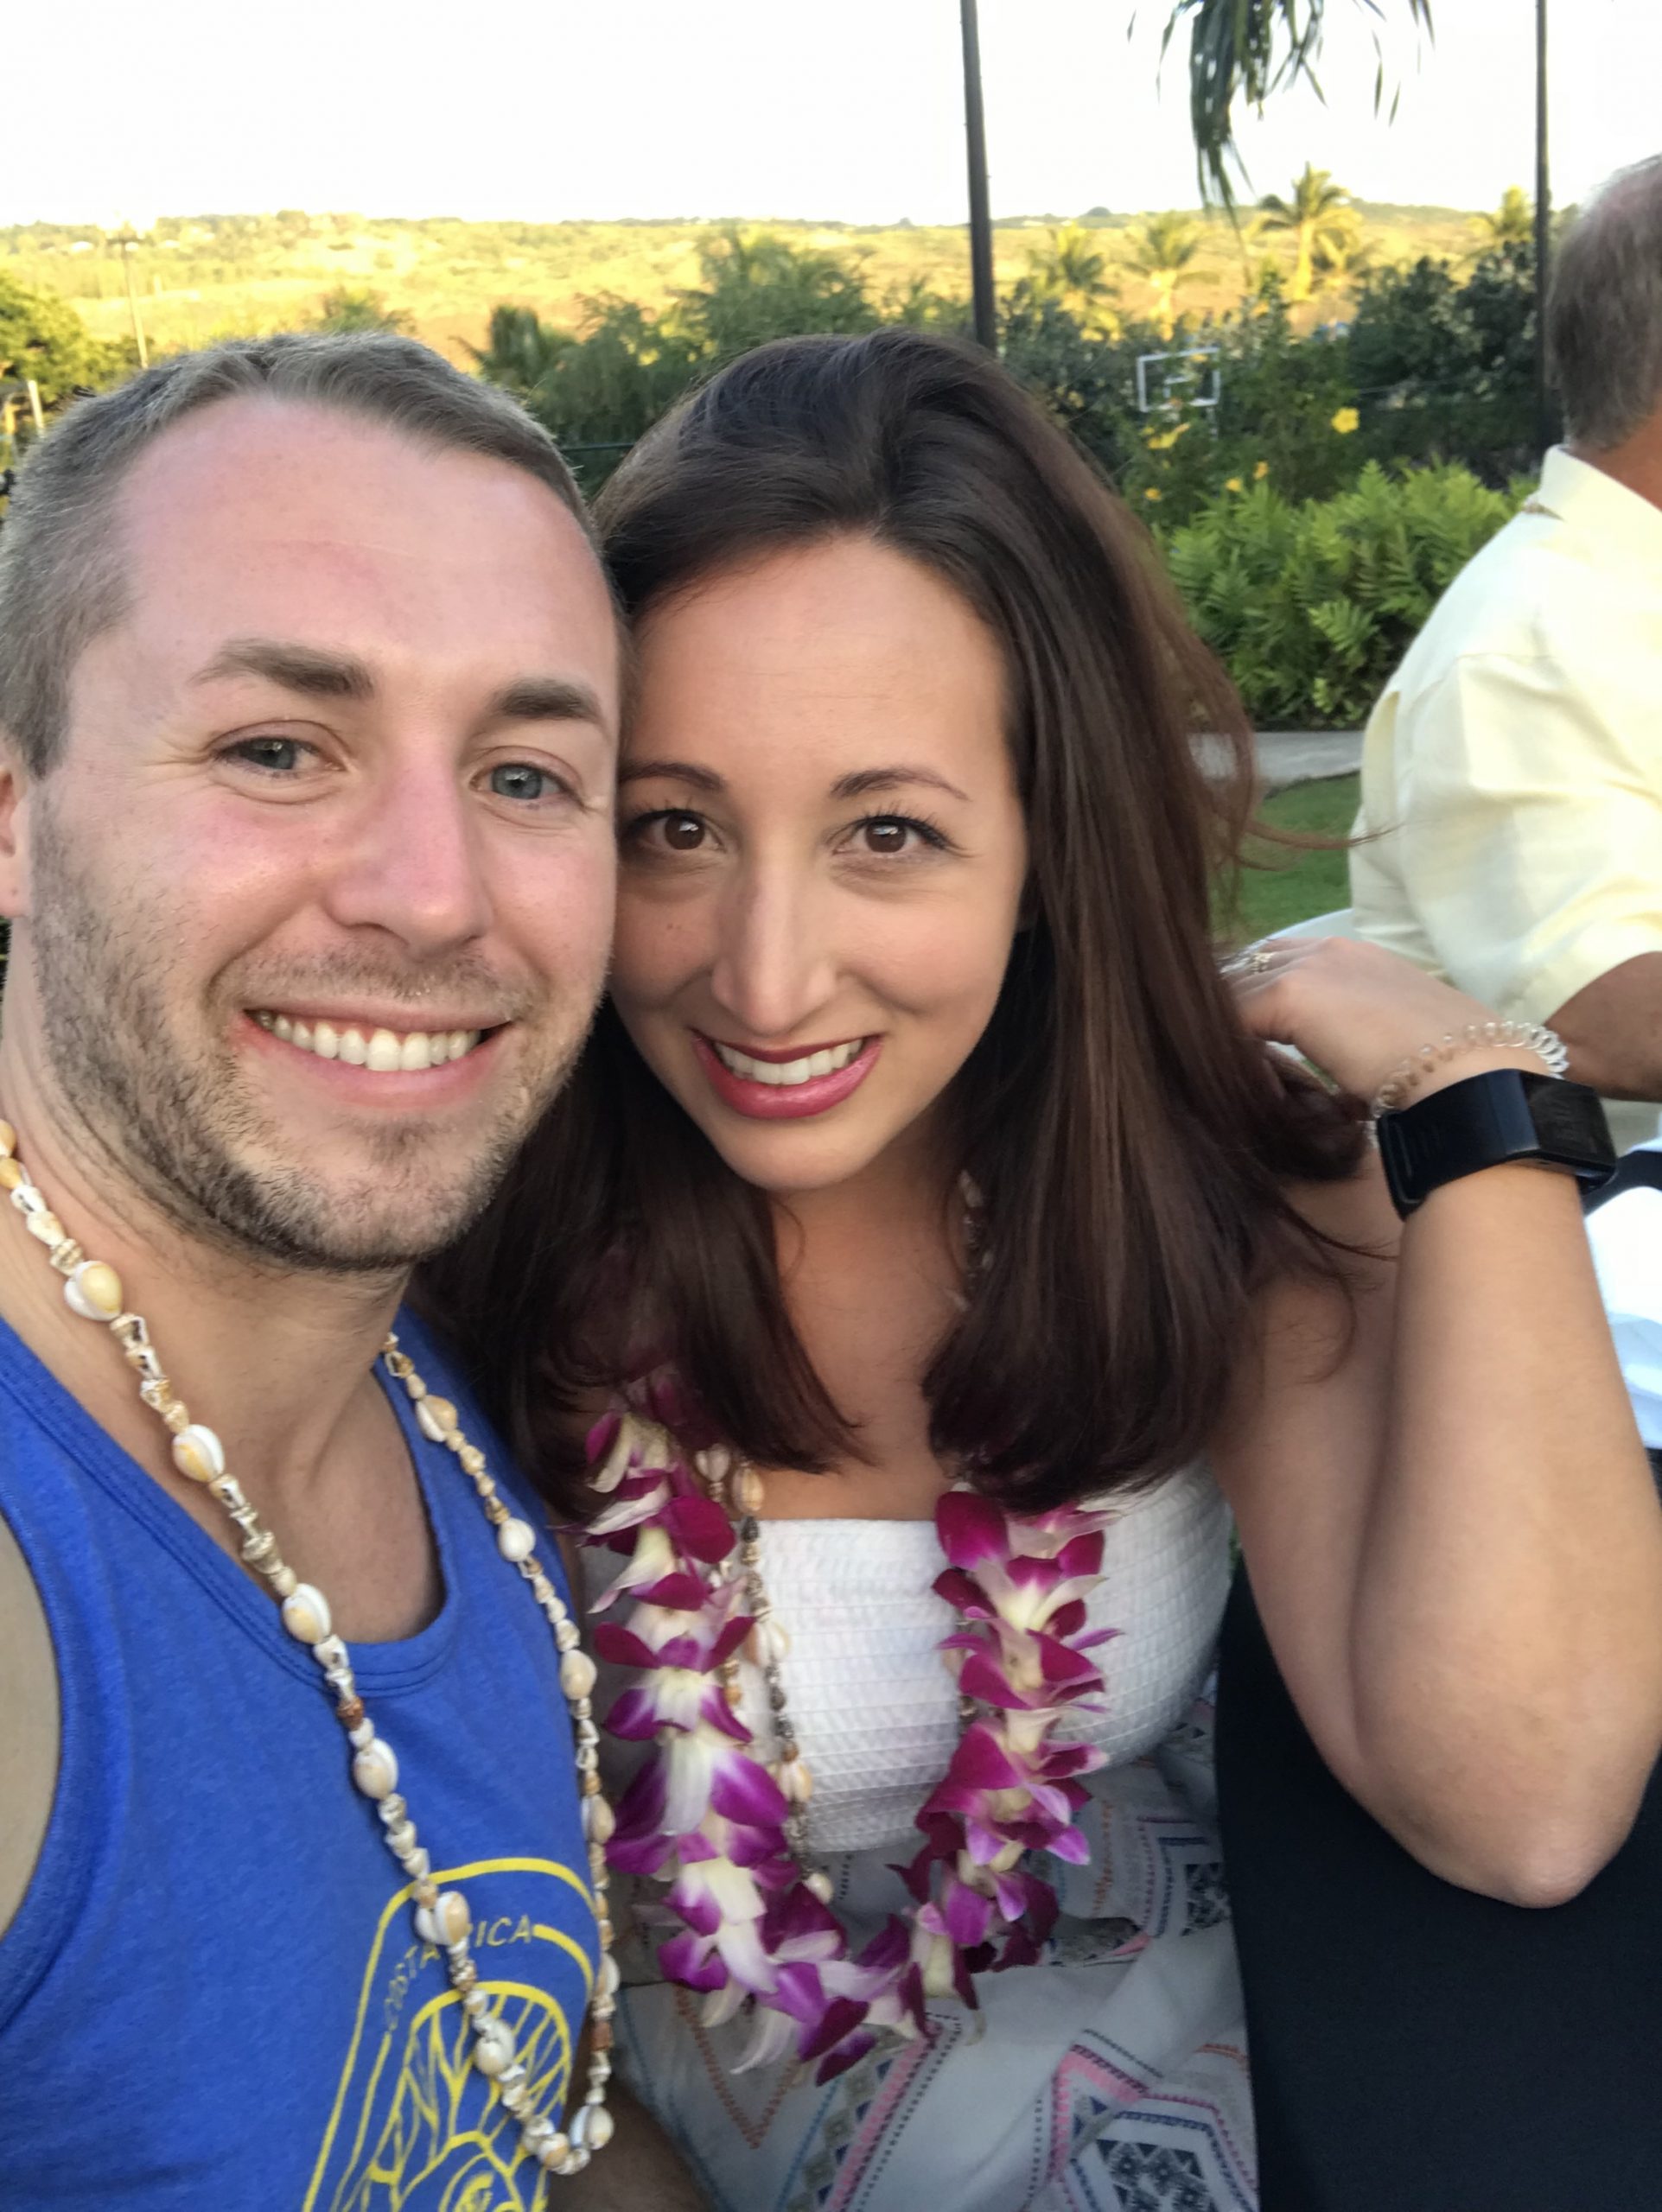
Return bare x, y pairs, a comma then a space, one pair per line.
1638, 1171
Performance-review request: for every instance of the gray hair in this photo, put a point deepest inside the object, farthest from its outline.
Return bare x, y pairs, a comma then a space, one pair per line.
1604, 311
61, 578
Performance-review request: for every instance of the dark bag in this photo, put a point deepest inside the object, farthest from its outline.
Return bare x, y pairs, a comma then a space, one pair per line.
1416, 2047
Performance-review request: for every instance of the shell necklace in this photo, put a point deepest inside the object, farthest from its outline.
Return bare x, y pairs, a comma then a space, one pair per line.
738, 1488
93, 1289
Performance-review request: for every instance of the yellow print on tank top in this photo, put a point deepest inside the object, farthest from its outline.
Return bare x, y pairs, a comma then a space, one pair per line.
414, 2126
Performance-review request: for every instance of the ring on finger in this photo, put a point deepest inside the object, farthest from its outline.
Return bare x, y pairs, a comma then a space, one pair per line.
1254, 961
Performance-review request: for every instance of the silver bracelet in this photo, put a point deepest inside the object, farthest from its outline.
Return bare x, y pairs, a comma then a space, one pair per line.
1476, 1036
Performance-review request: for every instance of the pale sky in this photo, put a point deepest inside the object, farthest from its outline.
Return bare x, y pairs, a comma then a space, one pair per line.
833, 109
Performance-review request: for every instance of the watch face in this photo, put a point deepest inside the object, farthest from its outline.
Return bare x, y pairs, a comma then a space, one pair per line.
1570, 1126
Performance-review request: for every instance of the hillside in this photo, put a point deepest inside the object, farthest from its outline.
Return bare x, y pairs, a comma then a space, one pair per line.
198, 277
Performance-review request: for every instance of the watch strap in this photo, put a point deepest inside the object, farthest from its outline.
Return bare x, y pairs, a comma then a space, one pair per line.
1499, 1117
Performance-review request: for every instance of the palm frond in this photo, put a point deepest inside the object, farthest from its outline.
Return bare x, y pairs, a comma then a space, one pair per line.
1247, 50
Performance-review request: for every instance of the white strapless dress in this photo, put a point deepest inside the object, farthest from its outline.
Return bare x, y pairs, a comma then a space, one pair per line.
872, 1704
1092, 2081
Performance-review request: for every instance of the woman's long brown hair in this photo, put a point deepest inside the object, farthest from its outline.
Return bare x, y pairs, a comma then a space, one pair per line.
1133, 1143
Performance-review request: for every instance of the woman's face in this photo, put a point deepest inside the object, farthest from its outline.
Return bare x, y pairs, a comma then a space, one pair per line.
823, 855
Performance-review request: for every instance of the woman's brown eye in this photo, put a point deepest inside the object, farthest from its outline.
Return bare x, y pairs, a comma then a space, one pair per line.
682, 833
885, 837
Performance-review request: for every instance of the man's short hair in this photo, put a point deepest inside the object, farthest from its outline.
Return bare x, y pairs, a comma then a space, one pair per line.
1604, 310
62, 580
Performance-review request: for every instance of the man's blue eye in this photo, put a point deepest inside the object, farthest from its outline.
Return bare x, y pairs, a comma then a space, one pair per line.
279, 754
516, 779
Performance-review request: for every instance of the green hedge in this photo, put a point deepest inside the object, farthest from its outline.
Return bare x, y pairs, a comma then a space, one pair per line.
1311, 606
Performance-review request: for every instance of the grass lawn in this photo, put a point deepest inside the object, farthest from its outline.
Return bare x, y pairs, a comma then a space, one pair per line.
1292, 885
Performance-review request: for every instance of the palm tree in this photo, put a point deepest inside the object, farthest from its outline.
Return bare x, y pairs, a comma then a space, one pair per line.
1071, 269
521, 350
1513, 222
1162, 252
1253, 47
1343, 252
1319, 212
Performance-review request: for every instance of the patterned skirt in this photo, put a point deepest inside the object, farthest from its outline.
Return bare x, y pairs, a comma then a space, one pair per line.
1109, 2077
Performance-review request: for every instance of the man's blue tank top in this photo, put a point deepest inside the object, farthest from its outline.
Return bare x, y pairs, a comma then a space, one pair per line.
212, 1999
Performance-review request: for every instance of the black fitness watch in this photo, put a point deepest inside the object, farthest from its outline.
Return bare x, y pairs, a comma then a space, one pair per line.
1488, 1121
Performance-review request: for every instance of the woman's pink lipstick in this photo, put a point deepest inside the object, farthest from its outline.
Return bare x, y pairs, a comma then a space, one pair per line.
792, 1102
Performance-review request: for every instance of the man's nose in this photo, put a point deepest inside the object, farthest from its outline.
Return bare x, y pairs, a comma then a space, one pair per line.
775, 965
412, 866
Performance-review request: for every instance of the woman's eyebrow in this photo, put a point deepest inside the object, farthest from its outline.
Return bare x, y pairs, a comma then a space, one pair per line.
888, 779
679, 771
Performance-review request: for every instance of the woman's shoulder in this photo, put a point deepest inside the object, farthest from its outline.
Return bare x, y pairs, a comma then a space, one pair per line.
1353, 1210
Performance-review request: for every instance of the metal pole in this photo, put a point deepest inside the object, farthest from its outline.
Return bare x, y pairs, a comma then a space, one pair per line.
975, 132
1544, 422
127, 245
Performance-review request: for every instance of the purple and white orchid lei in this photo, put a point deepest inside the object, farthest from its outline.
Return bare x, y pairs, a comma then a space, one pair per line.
706, 1816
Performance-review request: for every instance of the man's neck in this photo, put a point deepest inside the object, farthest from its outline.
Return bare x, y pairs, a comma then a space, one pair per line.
276, 1361
1636, 462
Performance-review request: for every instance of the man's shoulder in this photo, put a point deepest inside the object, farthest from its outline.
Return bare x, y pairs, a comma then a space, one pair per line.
1534, 593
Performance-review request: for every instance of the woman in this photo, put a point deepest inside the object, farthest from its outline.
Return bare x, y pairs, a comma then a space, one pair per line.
951, 1250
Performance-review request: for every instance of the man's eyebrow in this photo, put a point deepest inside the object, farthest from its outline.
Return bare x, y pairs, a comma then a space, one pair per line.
865, 780
546, 699
305, 669
322, 674
677, 771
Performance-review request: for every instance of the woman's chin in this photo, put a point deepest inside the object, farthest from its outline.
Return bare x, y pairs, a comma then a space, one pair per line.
793, 1161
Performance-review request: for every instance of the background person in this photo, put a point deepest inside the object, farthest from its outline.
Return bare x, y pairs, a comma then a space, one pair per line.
1512, 775
308, 688
922, 1144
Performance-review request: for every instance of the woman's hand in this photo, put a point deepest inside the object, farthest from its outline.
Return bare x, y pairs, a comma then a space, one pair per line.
1357, 1012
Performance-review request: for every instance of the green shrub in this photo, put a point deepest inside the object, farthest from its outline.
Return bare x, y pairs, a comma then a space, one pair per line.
1435, 366
1285, 409
600, 389
42, 337
1311, 606
1444, 364
755, 285
345, 311
43, 341
596, 393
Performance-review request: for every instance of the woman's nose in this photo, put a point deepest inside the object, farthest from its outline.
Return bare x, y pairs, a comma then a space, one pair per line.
775, 965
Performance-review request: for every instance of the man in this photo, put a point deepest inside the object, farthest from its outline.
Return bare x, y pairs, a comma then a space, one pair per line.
309, 696
1512, 777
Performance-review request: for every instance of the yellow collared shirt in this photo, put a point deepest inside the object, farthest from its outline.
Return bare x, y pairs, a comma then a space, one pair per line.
1512, 773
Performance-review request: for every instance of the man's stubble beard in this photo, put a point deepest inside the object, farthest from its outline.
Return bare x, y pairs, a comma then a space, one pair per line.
181, 1131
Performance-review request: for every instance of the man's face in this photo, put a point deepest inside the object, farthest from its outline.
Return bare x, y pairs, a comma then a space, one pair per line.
314, 910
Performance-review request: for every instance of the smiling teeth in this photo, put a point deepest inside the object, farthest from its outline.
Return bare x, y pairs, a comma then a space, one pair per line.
777, 1072
384, 1052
